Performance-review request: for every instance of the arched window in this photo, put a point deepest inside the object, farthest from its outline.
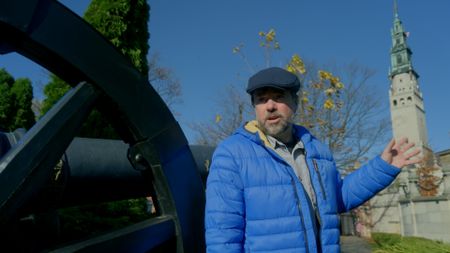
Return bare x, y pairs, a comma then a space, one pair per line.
394, 102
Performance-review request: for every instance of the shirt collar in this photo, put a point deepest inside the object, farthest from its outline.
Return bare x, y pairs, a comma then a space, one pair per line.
277, 144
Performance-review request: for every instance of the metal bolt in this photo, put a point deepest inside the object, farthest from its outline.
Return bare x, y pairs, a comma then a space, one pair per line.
138, 157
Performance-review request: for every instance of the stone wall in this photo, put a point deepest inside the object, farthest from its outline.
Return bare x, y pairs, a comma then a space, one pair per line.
401, 209
426, 217
385, 214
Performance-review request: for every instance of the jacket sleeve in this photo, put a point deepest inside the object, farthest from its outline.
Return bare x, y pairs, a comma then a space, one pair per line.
364, 183
224, 212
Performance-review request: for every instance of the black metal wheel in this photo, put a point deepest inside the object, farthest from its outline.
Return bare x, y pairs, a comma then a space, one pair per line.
53, 36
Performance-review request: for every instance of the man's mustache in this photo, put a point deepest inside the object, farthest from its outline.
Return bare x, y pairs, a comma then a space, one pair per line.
269, 115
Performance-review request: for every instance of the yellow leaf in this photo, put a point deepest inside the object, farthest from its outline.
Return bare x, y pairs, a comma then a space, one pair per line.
329, 91
290, 68
334, 80
270, 36
328, 104
297, 63
324, 74
297, 60
218, 118
302, 69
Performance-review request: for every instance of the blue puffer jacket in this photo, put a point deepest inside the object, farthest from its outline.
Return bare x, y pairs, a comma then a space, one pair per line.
255, 203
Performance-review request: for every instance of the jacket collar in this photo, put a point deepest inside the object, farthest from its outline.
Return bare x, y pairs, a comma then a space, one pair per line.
251, 131
313, 148
256, 133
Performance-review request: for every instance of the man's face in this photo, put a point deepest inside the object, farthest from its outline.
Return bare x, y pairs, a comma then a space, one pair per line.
274, 109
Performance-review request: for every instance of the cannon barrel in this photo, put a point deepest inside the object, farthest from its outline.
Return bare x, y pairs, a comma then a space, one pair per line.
97, 170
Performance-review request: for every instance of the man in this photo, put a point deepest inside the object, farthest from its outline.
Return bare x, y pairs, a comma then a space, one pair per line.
273, 187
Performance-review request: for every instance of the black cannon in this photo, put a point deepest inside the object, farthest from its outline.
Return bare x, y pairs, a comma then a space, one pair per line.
153, 158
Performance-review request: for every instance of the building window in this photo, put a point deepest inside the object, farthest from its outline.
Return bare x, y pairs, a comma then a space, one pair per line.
402, 101
409, 99
394, 102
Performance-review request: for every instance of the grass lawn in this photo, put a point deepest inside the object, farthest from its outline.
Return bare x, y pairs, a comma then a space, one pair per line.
394, 243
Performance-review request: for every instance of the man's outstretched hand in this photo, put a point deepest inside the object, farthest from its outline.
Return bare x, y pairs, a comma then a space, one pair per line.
400, 154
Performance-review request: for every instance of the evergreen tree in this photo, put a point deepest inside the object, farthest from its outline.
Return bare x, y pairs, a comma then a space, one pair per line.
124, 24
53, 91
6, 81
22, 95
15, 102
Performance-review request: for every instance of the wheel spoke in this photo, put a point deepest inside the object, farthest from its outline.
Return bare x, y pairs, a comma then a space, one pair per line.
26, 167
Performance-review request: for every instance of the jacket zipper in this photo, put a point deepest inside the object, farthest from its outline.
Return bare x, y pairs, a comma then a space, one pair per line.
302, 219
316, 206
316, 168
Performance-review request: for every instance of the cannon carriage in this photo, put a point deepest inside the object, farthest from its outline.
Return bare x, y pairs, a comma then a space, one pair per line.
152, 158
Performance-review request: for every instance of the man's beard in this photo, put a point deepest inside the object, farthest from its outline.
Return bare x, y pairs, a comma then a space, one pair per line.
274, 129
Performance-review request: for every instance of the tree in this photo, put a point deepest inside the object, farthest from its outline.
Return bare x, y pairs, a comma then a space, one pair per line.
6, 81
346, 117
164, 82
15, 102
53, 91
349, 120
22, 95
124, 24
236, 109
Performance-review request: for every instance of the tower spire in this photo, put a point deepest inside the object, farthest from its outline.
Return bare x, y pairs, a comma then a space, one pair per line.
395, 9
400, 52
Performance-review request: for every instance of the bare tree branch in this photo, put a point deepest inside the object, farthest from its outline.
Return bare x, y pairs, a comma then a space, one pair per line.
164, 82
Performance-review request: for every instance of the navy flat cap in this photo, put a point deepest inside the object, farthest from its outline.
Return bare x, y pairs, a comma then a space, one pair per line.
273, 77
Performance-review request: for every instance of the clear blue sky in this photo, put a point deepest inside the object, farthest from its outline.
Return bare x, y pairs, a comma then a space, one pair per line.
195, 39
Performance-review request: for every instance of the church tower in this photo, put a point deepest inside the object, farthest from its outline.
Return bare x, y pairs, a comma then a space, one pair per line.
419, 191
408, 120
406, 101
